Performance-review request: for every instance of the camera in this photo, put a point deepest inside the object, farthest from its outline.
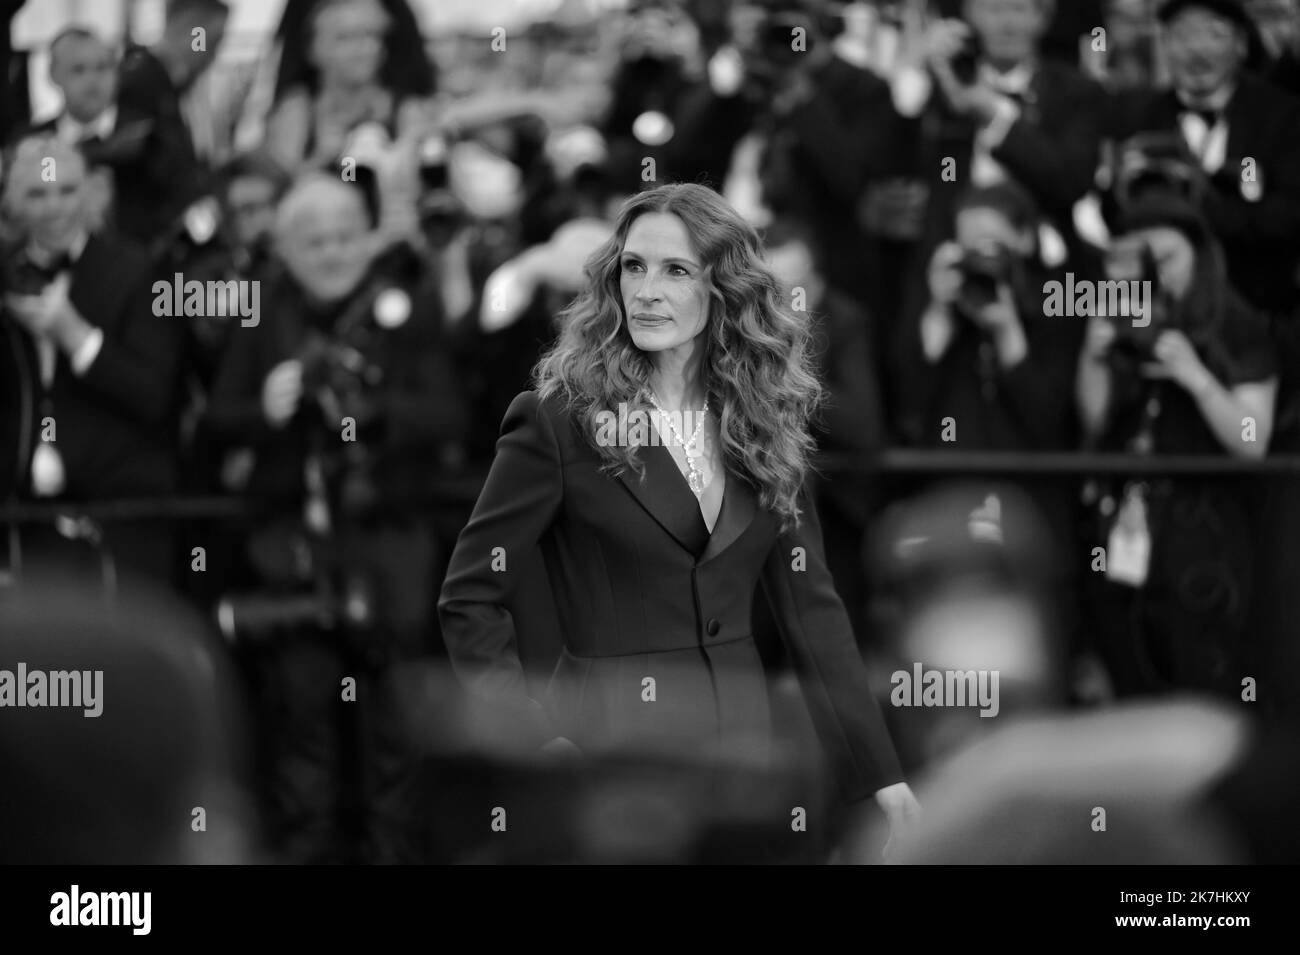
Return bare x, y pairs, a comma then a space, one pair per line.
965, 63
441, 213
1155, 163
777, 33
982, 272
1127, 263
778, 29
336, 368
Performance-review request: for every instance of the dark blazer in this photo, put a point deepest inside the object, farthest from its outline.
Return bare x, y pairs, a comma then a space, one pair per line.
817, 160
156, 173
116, 424
1052, 149
642, 589
1261, 238
417, 406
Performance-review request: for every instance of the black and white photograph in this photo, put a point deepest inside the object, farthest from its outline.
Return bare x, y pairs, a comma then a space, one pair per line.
650, 432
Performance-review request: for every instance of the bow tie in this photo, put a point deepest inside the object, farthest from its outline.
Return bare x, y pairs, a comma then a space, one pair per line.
43, 273
1210, 116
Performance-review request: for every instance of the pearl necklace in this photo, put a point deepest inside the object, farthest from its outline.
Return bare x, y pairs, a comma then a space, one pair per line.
696, 478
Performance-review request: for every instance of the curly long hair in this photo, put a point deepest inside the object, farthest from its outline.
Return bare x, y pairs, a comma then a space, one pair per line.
757, 366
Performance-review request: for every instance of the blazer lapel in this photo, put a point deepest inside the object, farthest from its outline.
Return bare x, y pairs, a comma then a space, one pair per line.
666, 496
739, 506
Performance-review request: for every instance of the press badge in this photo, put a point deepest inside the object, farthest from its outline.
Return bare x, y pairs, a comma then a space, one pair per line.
1128, 550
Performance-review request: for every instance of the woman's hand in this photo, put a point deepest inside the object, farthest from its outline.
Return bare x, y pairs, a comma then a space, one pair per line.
999, 317
282, 392
1000, 320
944, 277
900, 808
1176, 359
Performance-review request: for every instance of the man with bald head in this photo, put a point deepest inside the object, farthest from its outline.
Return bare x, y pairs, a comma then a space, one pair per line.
348, 401
88, 373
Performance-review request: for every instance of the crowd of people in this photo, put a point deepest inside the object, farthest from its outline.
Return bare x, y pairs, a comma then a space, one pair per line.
331, 324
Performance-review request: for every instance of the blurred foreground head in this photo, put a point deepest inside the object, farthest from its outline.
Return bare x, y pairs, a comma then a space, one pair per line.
1153, 783
142, 767
647, 786
963, 573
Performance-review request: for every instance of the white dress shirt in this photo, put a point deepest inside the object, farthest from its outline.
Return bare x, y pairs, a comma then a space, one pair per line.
1208, 143
1016, 82
46, 466
73, 131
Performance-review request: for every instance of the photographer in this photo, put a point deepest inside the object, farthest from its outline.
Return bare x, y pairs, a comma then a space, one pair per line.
1241, 134
982, 351
784, 125
986, 370
657, 64
1171, 608
88, 373
1006, 113
347, 398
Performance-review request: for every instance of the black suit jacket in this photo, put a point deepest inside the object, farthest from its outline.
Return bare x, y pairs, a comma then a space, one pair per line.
418, 404
817, 161
1052, 150
643, 590
156, 174
1261, 238
115, 425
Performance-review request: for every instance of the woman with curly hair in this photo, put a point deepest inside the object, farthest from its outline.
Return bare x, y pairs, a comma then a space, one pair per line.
659, 463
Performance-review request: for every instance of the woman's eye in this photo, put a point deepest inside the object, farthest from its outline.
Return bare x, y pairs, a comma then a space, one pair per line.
631, 266
678, 270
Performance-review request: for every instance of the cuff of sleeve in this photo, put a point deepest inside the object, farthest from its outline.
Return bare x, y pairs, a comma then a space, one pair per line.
1000, 125
87, 352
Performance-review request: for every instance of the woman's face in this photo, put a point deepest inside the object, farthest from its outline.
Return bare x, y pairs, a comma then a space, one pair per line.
348, 45
665, 298
1174, 255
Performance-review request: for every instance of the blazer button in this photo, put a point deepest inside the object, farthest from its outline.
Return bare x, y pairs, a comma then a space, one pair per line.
713, 627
